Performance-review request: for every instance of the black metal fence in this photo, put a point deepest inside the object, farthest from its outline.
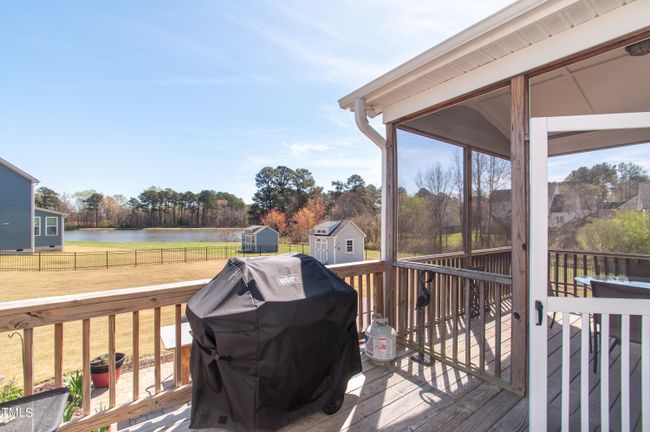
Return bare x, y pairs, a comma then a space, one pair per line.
51, 261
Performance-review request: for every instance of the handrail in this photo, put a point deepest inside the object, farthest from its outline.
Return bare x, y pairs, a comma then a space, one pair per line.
603, 254
23, 314
453, 271
459, 254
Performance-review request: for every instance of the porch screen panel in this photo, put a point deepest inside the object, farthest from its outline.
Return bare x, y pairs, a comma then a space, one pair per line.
491, 201
430, 203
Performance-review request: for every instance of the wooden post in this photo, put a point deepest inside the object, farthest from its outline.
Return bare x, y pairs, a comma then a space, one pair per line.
85, 349
157, 350
178, 342
467, 205
111, 362
58, 355
519, 160
28, 361
135, 362
389, 159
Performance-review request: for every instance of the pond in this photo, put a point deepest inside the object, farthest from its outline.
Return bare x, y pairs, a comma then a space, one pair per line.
156, 235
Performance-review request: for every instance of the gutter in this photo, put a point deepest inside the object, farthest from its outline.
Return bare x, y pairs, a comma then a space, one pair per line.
361, 119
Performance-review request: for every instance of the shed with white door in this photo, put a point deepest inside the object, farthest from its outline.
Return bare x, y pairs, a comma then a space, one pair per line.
337, 242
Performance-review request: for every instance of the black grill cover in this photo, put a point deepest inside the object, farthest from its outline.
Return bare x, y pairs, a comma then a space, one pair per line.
275, 338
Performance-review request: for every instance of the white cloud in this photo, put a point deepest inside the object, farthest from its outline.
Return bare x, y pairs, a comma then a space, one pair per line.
299, 150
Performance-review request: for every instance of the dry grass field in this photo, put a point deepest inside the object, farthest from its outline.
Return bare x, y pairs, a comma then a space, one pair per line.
24, 285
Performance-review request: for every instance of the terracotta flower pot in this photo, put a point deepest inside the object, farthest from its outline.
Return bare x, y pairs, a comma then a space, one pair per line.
99, 369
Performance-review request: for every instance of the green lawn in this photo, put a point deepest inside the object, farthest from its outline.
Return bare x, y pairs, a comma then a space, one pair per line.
79, 246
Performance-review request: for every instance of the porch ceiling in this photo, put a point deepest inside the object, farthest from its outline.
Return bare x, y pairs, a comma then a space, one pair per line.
521, 26
609, 83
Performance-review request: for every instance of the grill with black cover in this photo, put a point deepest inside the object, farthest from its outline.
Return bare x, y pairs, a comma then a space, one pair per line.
275, 338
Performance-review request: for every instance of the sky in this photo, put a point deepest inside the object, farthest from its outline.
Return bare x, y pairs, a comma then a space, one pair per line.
119, 96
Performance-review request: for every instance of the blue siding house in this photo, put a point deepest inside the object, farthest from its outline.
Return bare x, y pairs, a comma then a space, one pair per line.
23, 227
48, 229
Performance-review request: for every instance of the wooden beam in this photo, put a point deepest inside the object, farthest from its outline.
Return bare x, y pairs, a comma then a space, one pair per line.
519, 235
390, 233
467, 205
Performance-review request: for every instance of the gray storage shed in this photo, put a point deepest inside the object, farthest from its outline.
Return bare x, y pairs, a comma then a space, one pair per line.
259, 239
336, 242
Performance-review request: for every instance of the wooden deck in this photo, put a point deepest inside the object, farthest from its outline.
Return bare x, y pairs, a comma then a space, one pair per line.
406, 396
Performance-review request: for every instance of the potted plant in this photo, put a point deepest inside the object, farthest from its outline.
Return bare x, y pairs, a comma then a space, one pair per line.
99, 369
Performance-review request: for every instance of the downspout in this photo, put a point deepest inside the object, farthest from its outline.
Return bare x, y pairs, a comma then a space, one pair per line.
361, 119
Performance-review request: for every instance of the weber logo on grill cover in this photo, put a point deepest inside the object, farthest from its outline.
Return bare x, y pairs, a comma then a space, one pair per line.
292, 279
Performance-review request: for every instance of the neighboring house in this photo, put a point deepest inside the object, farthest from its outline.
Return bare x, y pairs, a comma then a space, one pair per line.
48, 229
566, 206
23, 227
501, 204
260, 238
641, 202
336, 242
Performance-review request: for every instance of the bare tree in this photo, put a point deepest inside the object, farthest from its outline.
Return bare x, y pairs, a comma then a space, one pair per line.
498, 177
438, 182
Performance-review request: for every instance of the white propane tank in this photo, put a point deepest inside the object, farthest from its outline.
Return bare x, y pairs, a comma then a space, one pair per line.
380, 340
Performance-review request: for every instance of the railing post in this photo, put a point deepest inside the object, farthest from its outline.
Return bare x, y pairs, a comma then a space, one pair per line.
28, 361
106, 259
75, 260
39, 260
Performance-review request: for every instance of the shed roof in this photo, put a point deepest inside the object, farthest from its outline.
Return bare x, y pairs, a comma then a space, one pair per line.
332, 228
18, 171
255, 229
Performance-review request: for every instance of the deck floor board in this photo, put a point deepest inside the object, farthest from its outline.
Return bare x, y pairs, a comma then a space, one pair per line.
406, 396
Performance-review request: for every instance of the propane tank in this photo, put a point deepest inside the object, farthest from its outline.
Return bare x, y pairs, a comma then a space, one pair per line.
380, 340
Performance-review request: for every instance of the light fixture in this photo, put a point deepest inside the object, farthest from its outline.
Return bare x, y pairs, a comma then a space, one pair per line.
639, 48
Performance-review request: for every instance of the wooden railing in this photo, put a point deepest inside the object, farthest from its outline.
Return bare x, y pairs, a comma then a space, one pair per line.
468, 313
27, 315
565, 265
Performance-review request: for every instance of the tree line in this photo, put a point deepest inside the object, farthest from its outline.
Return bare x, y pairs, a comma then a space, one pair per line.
286, 199
154, 207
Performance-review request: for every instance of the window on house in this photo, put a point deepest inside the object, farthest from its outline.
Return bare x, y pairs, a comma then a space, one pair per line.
37, 226
349, 246
559, 220
51, 226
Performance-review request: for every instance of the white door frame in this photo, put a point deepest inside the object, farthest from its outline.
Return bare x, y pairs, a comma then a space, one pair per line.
538, 243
